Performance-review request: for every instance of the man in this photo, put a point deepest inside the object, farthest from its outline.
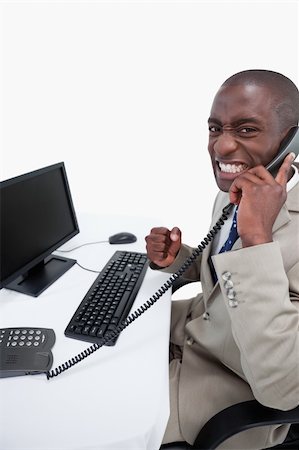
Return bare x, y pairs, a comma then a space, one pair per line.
238, 339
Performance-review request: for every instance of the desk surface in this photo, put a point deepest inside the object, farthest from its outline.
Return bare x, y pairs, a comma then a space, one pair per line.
115, 399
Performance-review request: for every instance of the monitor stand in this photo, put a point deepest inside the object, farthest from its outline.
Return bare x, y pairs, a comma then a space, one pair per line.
41, 276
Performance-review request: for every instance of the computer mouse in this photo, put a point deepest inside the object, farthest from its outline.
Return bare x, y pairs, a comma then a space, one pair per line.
122, 238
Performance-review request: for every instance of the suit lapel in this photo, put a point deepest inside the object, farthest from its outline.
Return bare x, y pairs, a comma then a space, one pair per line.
206, 277
207, 281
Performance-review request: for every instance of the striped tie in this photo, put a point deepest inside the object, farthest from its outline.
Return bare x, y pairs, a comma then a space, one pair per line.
227, 246
232, 237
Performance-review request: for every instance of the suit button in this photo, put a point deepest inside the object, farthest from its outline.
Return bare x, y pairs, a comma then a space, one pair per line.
228, 284
226, 276
206, 316
233, 303
190, 341
231, 294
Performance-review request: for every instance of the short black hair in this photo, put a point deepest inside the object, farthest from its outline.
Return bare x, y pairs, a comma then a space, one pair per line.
285, 92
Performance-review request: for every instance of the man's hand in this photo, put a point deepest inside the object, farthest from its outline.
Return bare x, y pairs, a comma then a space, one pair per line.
163, 245
260, 198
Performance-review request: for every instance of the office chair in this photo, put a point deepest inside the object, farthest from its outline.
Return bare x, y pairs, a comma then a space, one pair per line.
240, 417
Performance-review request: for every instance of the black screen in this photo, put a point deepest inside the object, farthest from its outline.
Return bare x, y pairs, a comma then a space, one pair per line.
37, 216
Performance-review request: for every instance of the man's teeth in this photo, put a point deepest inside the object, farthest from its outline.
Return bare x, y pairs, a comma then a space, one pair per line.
232, 168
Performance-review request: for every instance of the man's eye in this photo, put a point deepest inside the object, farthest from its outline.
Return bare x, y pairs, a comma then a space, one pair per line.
214, 129
247, 130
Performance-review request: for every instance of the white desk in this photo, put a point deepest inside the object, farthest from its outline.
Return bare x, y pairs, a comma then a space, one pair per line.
115, 399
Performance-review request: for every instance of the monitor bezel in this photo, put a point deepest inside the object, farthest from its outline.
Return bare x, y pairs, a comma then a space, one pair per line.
18, 179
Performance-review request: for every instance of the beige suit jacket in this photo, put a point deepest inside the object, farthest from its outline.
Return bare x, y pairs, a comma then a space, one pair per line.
249, 350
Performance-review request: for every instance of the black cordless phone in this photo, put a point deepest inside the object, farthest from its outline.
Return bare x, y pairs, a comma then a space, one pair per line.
289, 145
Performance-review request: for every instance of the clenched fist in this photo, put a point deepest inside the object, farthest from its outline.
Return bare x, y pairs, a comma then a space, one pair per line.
163, 245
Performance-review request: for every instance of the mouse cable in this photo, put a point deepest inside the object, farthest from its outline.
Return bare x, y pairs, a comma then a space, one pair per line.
79, 246
88, 270
82, 245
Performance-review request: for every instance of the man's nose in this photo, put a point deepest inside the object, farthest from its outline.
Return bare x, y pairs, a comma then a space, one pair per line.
225, 144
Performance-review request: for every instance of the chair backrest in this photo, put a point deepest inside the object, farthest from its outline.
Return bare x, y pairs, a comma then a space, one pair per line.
241, 417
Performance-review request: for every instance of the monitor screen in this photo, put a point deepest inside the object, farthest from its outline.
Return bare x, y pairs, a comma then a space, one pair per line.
37, 216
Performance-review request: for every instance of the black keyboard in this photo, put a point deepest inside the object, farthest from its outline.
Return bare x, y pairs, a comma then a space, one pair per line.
110, 298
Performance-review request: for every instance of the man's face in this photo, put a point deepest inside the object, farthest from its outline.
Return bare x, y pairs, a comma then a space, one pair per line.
243, 131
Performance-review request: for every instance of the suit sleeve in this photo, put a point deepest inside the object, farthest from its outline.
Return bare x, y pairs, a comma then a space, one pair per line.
263, 304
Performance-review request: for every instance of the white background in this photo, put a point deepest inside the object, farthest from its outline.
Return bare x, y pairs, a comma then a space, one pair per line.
121, 92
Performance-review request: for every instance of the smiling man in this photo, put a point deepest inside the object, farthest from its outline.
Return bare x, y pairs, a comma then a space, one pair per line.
238, 339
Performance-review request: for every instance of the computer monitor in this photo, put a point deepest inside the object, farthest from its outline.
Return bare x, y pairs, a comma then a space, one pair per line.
37, 216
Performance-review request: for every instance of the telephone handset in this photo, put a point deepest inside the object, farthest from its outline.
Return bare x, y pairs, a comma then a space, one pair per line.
289, 144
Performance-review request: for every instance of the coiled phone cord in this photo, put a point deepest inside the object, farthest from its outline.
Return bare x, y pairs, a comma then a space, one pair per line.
158, 294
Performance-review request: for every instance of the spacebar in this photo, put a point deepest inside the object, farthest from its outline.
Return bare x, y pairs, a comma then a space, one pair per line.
122, 305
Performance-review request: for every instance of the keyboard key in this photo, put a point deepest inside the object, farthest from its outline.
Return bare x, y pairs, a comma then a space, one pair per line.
102, 331
122, 304
93, 331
